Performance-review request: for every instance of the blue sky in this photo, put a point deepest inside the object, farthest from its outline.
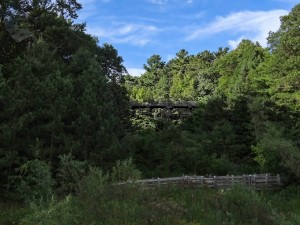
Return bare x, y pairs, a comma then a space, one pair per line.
140, 28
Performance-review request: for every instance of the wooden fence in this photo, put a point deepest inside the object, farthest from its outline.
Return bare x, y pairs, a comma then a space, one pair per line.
255, 181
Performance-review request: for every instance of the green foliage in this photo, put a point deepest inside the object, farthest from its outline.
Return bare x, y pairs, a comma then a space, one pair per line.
11, 213
275, 152
91, 188
235, 69
240, 205
239, 92
286, 39
70, 172
125, 170
61, 92
169, 205
286, 203
34, 182
280, 74
186, 77
56, 212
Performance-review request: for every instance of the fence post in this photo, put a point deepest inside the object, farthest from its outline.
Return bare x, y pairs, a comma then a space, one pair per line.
267, 179
278, 179
215, 181
250, 180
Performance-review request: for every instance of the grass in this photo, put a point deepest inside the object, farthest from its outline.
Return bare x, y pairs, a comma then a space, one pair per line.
164, 205
12, 213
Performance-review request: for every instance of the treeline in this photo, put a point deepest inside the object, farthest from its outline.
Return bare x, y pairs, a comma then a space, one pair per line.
248, 116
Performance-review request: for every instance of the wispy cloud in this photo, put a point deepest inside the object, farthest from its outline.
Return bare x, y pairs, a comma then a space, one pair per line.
135, 71
234, 43
133, 34
84, 2
247, 24
165, 2
196, 16
158, 2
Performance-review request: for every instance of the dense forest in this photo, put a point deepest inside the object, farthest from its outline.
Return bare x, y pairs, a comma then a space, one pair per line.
247, 117
67, 132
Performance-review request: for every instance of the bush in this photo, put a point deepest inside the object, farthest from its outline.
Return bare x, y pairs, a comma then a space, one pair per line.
242, 205
91, 188
11, 213
70, 172
34, 182
92, 197
56, 212
125, 170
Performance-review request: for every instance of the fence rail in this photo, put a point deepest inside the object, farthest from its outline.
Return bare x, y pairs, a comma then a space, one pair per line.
255, 181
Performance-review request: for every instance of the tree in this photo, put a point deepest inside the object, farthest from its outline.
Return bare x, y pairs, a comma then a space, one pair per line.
278, 87
111, 63
182, 86
61, 91
282, 69
235, 69
24, 21
276, 153
205, 73
154, 69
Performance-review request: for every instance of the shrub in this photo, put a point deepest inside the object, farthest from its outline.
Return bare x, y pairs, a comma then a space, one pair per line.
242, 205
69, 173
34, 182
92, 186
56, 212
92, 196
125, 170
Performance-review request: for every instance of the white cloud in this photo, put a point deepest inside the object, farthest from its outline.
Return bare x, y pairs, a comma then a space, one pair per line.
135, 71
170, 56
234, 43
158, 2
84, 2
134, 34
193, 16
250, 25
132, 39
165, 2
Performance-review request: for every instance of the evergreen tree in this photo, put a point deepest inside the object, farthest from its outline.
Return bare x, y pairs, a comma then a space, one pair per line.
59, 91
235, 69
282, 70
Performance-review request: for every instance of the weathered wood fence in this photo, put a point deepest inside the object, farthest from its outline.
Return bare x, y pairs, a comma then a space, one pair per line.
255, 181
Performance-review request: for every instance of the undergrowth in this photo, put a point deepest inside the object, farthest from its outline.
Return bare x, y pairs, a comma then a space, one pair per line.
135, 205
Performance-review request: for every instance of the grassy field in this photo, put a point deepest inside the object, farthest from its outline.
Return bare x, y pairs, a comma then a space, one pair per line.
108, 204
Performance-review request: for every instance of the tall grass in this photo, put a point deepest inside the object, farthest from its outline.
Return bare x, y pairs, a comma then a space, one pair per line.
131, 204
100, 200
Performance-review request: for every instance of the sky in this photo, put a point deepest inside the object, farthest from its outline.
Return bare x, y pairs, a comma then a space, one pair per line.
139, 29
